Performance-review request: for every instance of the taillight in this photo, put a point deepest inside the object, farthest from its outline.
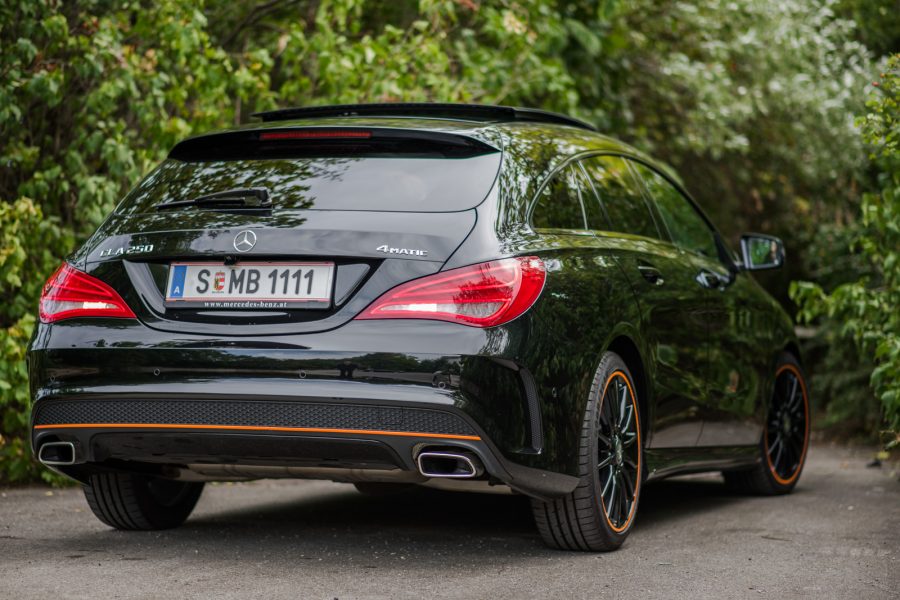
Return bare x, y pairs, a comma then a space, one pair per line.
72, 293
483, 295
316, 134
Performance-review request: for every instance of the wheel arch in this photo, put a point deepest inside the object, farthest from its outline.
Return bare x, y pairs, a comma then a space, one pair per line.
793, 348
625, 347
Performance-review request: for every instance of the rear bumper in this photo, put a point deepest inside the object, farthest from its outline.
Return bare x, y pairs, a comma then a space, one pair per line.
165, 407
341, 441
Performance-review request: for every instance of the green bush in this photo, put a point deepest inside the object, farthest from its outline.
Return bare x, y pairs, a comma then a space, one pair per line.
747, 99
866, 309
92, 94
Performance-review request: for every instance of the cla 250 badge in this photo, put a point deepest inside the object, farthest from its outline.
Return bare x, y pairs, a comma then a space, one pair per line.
126, 250
408, 251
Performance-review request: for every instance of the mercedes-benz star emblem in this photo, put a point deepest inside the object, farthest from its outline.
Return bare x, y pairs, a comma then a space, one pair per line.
244, 241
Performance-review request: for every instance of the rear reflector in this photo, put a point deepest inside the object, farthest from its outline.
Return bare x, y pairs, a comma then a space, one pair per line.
483, 295
72, 293
313, 134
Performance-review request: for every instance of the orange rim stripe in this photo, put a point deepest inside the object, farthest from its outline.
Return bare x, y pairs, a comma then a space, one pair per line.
637, 423
448, 436
793, 477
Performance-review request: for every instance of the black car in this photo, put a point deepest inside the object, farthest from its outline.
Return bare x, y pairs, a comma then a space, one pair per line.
460, 296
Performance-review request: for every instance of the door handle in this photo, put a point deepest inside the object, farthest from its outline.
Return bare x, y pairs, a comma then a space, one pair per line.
708, 279
651, 274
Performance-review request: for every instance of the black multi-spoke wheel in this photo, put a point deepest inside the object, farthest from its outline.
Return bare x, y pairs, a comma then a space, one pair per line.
618, 451
785, 437
599, 513
787, 426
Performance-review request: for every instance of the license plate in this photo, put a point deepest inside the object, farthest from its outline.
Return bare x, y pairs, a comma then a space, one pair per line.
250, 285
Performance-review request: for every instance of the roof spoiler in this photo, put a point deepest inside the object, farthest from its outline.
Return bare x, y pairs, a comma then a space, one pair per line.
308, 142
432, 110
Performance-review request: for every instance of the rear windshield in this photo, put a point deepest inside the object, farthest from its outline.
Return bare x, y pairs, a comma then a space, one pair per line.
335, 183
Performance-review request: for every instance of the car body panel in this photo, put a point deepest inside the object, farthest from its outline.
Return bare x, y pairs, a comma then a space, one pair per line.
673, 319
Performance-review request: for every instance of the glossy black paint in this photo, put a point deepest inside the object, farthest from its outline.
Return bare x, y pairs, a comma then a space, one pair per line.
702, 344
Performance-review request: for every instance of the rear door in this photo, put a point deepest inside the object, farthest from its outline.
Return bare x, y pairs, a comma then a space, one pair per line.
288, 235
730, 379
670, 301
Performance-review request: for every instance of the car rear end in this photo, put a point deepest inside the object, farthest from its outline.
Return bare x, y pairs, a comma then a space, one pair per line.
271, 302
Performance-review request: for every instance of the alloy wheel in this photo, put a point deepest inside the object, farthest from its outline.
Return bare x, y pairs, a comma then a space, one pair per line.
787, 426
618, 449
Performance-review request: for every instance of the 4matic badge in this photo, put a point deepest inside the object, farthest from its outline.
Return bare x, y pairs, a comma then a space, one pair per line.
408, 251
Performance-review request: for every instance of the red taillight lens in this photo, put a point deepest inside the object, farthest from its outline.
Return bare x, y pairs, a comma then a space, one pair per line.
71, 293
313, 134
483, 295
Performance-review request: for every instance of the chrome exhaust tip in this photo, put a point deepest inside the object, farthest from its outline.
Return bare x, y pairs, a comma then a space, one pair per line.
55, 454
453, 465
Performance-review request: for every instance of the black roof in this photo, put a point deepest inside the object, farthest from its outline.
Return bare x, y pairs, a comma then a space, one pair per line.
434, 110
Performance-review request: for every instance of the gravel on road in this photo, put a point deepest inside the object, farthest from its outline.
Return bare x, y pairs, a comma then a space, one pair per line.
837, 536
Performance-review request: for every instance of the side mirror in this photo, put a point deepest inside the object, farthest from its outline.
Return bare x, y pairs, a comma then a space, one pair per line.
761, 252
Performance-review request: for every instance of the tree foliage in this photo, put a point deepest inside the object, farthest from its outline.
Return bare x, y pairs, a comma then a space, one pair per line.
878, 23
866, 308
92, 93
749, 99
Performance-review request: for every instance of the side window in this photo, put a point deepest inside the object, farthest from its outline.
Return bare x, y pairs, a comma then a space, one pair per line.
621, 196
687, 228
559, 205
593, 212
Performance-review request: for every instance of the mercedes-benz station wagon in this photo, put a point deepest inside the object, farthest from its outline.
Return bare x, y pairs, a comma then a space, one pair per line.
461, 296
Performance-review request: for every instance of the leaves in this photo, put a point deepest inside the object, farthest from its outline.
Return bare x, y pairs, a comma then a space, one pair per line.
92, 95
865, 309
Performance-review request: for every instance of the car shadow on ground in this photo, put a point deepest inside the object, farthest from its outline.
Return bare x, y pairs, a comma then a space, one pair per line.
341, 522
447, 518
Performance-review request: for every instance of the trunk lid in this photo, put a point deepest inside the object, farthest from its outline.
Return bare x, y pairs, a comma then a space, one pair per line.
372, 252
381, 214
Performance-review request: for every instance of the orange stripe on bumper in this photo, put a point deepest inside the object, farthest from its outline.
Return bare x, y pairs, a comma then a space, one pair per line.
447, 436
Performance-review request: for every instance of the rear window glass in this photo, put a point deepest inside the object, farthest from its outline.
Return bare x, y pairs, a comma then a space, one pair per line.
334, 183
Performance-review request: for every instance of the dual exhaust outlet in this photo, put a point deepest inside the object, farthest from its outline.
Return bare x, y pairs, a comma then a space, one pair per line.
449, 464
57, 454
431, 464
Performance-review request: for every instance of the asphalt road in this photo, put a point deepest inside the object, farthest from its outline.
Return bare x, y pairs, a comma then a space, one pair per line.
837, 536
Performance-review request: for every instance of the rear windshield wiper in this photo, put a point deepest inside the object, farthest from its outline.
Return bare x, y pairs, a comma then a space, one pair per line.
237, 199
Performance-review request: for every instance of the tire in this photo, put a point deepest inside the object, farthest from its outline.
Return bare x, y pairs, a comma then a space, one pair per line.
133, 501
787, 418
593, 517
378, 488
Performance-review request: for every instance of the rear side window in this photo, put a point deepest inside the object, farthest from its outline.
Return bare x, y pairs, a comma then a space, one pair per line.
426, 184
686, 227
559, 204
593, 211
621, 196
